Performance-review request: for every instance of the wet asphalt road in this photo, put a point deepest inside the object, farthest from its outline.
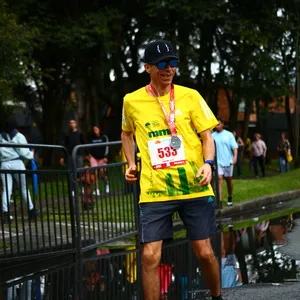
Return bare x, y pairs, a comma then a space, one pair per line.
287, 291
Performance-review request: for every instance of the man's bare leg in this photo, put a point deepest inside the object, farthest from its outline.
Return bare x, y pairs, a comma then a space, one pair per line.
210, 266
220, 182
229, 186
151, 254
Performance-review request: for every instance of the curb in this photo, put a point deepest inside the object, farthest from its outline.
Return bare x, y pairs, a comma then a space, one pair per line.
258, 203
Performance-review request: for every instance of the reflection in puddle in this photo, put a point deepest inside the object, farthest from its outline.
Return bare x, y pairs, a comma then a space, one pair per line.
253, 254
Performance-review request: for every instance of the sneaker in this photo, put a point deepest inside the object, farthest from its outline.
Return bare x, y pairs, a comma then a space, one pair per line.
107, 189
216, 298
5, 218
229, 201
96, 192
33, 213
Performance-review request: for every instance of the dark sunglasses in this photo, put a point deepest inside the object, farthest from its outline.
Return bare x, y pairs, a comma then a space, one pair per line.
162, 64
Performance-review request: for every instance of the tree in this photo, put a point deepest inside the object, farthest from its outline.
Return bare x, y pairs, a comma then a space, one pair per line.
15, 55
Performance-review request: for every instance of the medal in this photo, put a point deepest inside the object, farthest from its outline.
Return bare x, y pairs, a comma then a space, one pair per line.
170, 118
175, 142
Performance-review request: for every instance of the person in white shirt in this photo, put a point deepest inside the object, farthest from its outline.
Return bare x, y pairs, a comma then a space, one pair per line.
258, 155
11, 159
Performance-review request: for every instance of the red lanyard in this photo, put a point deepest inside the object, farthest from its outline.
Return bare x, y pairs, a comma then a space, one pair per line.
169, 117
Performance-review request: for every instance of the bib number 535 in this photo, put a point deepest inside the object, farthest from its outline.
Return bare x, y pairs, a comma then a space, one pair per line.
166, 152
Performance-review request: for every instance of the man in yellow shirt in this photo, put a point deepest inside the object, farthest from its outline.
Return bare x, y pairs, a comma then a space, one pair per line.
176, 167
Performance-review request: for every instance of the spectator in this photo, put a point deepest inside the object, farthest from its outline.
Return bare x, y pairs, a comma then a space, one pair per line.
283, 149
70, 140
227, 150
247, 152
98, 156
239, 161
11, 159
259, 151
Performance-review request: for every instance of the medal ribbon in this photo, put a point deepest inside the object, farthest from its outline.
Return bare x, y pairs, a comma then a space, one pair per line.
170, 118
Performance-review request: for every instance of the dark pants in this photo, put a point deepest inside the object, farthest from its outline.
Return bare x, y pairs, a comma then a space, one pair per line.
261, 161
239, 163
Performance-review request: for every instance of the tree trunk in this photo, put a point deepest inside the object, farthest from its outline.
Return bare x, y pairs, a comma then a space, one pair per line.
297, 137
289, 120
258, 115
246, 121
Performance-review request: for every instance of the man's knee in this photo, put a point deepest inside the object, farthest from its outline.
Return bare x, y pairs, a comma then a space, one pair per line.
220, 178
228, 179
151, 254
204, 252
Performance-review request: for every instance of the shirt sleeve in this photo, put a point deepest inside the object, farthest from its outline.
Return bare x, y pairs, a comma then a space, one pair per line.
23, 152
127, 120
201, 115
106, 141
264, 145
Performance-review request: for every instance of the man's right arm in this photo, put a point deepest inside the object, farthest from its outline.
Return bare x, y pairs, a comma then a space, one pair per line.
129, 151
64, 144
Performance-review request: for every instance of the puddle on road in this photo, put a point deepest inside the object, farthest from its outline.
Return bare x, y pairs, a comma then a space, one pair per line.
262, 249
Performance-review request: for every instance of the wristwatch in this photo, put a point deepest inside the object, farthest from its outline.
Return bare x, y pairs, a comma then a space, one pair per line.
211, 163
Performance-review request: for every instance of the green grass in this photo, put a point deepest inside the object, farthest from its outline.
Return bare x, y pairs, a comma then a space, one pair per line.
271, 168
119, 208
245, 189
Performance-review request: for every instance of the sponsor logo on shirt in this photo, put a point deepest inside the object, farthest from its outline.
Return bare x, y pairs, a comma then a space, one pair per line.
158, 133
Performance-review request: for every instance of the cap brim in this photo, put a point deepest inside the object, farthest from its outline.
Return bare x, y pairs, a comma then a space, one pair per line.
153, 62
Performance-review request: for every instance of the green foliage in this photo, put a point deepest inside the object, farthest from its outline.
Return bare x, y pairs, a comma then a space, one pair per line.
15, 50
77, 45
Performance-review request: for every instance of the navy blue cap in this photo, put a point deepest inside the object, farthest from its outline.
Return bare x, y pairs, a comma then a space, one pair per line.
158, 51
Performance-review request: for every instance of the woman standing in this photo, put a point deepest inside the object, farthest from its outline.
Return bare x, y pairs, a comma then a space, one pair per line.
283, 148
98, 155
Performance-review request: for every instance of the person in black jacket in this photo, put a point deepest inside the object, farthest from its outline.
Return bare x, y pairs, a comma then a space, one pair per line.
98, 155
70, 140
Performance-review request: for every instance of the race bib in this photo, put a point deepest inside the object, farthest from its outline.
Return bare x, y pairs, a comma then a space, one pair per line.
162, 155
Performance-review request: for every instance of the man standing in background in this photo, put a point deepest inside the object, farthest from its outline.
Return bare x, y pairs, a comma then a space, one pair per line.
227, 151
70, 140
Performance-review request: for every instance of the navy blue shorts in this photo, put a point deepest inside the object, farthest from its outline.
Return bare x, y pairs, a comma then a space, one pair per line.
198, 216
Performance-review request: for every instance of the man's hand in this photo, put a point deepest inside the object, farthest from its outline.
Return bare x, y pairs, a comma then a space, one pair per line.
206, 173
62, 161
130, 174
234, 160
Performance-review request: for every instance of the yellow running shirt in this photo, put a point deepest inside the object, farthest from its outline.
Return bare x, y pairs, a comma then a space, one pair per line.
168, 174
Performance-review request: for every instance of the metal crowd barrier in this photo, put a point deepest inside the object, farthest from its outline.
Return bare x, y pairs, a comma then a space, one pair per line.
79, 217
115, 273
53, 230
103, 216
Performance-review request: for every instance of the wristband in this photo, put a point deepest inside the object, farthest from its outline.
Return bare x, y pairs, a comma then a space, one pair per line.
209, 161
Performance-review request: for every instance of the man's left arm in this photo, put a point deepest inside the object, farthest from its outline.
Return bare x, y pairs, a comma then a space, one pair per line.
23, 152
235, 153
265, 149
208, 145
234, 147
